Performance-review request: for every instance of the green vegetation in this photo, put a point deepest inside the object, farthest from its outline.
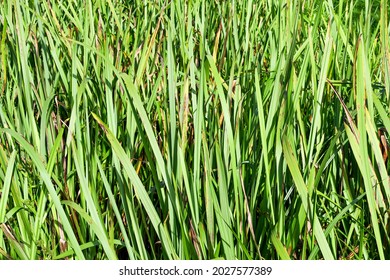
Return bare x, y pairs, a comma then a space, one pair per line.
194, 129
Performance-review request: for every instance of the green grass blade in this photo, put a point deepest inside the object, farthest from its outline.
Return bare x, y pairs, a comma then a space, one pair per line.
140, 190
50, 188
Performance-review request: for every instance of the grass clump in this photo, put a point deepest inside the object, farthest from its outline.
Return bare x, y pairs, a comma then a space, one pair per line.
194, 129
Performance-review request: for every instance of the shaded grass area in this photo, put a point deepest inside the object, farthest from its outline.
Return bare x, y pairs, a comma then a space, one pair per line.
194, 129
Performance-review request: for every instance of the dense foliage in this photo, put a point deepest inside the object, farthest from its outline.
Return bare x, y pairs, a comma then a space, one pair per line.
194, 129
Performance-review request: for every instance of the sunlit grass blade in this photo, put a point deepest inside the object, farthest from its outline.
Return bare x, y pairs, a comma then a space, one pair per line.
306, 199
140, 190
50, 188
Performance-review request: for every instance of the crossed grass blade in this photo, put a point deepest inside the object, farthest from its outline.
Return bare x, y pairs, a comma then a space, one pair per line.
140, 190
37, 160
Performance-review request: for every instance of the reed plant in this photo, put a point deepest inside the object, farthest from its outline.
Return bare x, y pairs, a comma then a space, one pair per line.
168, 129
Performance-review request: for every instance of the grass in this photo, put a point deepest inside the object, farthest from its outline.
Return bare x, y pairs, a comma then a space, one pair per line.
194, 129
